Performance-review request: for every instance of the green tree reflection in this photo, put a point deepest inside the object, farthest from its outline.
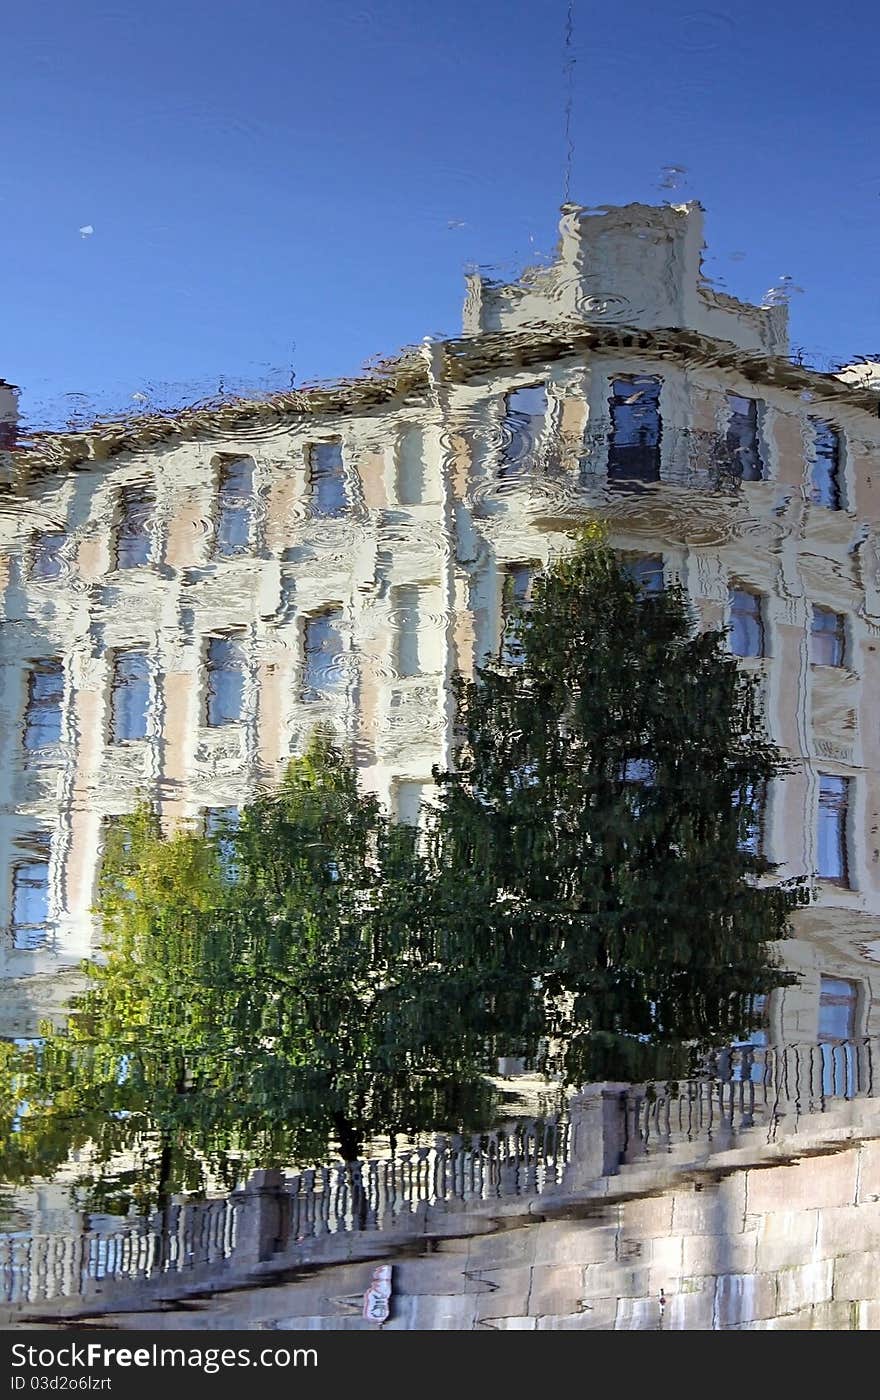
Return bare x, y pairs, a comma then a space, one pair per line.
583, 894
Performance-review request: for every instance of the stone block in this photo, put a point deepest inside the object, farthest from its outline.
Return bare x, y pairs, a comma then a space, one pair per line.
835, 1316
720, 1254
509, 1295
599, 1317
574, 1242
692, 1308
867, 1316
638, 1314
785, 1238
666, 1256
849, 1229
804, 1285
717, 1209
818, 1182
516, 1247
615, 1281
650, 1216
556, 1288
869, 1172
857, 1277
510, 1324
744, 1298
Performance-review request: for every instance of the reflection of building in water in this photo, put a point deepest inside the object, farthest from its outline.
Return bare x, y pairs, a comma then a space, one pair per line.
187, 597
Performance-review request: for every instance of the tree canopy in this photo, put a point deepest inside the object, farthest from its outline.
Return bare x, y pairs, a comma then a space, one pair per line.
586, 892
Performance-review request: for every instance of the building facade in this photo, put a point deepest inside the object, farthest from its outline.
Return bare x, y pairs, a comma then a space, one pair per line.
185, 598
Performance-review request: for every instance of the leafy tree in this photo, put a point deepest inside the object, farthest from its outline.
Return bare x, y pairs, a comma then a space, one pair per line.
262, 995
603, 810
585, 895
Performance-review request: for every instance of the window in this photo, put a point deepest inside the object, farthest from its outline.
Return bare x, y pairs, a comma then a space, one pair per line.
646, 571
638, 777
742, 437
327, 479
634, 447
136, 504
838, 1005
516, 595
746, 622
832, 854
746, 1066
410, 467
825, 479
235, 486
130, 696
30, 896
408, 801
46, 554
406, 626
828, 634
226, 670
322, 651
753, 818
221, 823
42, 719
525, 412
837, 1008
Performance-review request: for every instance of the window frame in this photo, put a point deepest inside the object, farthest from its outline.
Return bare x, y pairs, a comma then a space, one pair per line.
743, 590
215, 704
334, 509
44, 666
510, 651
839, 634
118, 656
127, 492
232, 506
37, 551
515, 466
632, 561
734, 443
40, 854
618, 473
842, 809
836, 475
311, 690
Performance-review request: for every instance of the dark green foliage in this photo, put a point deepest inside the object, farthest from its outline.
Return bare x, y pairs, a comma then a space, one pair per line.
321, 977
604, 793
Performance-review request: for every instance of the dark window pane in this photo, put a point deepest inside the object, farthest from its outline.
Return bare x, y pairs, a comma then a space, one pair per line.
226, 666
515, 599
130, 696
828, 637
406, 624
831, 829
825, 483
753, 805
30, 896
746, 623
136, 504
322, 649
408, 801
634, 447
646, 571
525, 412
742, 437
221, 823
327, 479
42, 723
410, 466
46, 559
837, 1008
234, 501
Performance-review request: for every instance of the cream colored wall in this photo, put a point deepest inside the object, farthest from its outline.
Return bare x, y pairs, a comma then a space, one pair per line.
452, 544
